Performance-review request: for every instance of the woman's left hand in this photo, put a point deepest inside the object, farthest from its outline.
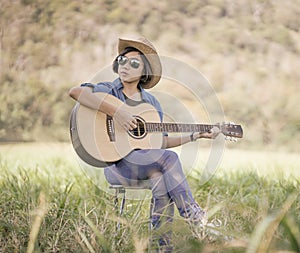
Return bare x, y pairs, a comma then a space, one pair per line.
212, 134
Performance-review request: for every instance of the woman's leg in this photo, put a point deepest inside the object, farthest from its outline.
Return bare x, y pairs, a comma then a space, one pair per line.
138, 166
179, 189
163, 206
162, 212
142, 162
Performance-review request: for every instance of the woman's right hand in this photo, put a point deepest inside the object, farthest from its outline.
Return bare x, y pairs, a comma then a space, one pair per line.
125, 119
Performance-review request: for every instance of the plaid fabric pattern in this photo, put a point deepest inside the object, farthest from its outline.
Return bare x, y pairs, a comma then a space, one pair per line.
161, 170
139, 165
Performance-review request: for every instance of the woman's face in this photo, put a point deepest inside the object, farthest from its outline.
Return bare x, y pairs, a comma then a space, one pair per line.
131, 67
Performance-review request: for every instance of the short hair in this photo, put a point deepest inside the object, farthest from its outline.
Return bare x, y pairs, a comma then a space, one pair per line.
147, 71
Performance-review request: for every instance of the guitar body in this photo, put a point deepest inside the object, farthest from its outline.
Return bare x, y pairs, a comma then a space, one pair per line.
98, 139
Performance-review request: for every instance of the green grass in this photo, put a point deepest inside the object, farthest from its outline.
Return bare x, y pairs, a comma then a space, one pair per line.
48, 204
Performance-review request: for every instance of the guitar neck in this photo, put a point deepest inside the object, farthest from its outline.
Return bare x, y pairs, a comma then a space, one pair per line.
178, 128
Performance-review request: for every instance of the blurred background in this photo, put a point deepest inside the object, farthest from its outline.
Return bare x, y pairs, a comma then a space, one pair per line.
248, 50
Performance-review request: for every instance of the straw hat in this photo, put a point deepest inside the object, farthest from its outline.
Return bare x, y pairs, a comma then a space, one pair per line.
146, 47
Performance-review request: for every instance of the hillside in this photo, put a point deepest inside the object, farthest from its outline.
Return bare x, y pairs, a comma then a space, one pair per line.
248, 50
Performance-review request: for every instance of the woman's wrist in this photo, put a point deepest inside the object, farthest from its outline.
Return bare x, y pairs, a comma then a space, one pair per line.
192, 137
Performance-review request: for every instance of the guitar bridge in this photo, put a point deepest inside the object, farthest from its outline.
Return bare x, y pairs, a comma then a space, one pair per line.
110, 128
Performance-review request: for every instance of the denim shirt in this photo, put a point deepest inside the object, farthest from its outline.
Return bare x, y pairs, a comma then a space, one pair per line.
115, 88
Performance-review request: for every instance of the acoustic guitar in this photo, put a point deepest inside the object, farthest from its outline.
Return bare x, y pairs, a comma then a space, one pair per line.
99, 140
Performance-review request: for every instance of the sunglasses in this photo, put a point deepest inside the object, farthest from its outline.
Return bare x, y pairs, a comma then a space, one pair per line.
134, 63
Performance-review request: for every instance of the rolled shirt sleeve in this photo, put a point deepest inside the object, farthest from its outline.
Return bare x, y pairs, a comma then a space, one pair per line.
115, 88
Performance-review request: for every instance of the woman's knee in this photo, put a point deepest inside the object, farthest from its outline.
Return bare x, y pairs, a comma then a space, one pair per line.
171, 155
170, 160
154, 173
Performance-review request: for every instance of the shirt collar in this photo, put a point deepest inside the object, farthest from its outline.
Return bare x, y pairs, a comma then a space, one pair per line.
118, 84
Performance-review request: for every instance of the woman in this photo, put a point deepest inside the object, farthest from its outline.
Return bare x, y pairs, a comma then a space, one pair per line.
139, 68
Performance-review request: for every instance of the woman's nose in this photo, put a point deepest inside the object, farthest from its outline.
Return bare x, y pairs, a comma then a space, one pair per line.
126, 66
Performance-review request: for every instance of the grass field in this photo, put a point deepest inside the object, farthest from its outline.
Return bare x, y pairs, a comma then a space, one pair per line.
48, 204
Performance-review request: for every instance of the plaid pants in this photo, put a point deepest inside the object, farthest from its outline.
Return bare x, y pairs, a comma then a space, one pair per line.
161, 169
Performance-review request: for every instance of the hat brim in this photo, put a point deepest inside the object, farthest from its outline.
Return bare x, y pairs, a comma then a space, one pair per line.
151, 55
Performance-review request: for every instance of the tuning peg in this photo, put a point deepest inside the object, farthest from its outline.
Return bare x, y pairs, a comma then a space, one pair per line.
234, 139
230, 138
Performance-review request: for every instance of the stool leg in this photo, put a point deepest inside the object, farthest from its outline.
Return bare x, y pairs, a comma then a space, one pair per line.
151, 212
123, 191
116, 202
151, 246
122, 203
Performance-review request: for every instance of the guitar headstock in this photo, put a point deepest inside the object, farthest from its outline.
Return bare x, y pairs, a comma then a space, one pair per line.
231, 130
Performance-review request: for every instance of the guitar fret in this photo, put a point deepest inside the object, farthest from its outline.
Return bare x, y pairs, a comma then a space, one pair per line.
228, 130
173, 127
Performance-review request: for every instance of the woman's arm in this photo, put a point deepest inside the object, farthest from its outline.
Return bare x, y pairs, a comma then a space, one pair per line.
86, 97
171, 142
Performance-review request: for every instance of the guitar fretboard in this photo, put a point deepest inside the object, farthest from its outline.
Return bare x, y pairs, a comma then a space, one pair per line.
177, 128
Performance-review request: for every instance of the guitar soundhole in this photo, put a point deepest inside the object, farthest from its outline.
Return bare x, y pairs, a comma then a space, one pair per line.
140, 131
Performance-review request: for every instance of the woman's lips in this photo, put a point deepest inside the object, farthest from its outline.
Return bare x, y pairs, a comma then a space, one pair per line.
124, 73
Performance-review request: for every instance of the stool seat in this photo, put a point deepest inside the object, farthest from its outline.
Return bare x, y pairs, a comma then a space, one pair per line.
119, 186
115, 178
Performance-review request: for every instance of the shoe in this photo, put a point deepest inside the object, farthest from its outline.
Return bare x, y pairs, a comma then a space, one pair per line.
212, 227
215, 230
193, 213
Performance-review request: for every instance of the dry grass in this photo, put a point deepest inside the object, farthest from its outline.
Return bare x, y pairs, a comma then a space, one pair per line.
48, 205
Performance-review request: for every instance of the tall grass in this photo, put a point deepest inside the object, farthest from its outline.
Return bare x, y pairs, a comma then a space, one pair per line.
47, 204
